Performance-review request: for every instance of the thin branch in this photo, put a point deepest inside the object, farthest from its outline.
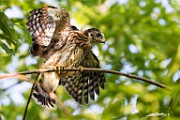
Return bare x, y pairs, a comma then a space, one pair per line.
11, 75
0, 117
29, 99
17, 75
89, 69
62, 107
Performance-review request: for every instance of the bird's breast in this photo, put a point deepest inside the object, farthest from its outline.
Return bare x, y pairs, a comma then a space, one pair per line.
50, 81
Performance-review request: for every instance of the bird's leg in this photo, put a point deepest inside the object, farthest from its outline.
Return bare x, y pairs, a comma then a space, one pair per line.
81, 68
58, 69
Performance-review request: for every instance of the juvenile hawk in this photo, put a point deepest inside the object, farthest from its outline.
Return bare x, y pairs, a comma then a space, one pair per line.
63, 45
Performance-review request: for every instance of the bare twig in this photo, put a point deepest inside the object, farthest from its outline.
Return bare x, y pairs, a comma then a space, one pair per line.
29, 99
89, 69
16, 75
11, 75
62, 107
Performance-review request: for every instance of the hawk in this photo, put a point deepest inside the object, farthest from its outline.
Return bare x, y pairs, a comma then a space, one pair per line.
61, 44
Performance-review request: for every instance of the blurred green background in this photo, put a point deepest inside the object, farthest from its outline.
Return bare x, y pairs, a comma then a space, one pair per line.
142, 38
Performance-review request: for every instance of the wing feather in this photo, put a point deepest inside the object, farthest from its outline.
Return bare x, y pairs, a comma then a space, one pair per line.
83, 85
45, 23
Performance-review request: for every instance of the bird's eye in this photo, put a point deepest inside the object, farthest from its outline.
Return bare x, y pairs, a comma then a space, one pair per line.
98, 35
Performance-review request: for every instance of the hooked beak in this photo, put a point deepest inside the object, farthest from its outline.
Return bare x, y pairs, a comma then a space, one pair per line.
103, 39
97, 38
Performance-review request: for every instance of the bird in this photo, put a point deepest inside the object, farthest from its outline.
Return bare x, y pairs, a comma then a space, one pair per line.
61, 44
79, 84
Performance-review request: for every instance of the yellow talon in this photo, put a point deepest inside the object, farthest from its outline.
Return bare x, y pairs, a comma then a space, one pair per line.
58, 69
81, 68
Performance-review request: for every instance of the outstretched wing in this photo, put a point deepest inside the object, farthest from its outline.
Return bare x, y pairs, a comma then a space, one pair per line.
83, 85
42, 51
95, 79
45, 23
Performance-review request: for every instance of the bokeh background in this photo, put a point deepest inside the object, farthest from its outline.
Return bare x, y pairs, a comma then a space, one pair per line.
142, 38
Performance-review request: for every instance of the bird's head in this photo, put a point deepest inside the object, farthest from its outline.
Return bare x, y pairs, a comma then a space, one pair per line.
94, 35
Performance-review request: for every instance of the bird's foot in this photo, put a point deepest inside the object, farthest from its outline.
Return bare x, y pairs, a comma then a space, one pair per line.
58, 69
81, 68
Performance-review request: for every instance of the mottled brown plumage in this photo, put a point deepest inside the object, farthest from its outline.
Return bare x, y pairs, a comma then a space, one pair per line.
42, 51
61, 44
83, 84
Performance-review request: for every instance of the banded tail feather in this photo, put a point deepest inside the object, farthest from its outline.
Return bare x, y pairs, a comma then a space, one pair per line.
42, 97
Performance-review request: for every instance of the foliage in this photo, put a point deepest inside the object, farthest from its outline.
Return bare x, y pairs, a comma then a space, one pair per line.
142, 38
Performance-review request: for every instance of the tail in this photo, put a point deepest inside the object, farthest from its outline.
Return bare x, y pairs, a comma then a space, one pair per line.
42, 97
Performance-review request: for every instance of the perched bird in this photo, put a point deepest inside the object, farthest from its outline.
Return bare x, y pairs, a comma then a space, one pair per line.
61, 44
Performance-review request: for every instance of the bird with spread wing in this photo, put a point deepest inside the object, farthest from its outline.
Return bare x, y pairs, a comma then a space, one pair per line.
61, 44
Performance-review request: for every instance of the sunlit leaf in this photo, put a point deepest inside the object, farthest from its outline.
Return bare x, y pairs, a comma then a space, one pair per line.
6, 48
8, 30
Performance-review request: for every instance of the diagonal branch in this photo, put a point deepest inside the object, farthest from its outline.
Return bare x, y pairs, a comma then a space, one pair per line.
63, 107
88, 69
29, 99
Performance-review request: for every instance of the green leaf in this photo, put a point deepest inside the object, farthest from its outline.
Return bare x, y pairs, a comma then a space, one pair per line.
8, 29
6, 48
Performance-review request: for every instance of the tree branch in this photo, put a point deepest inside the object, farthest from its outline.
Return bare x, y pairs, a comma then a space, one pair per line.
88, 69
63, 107
29, 99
